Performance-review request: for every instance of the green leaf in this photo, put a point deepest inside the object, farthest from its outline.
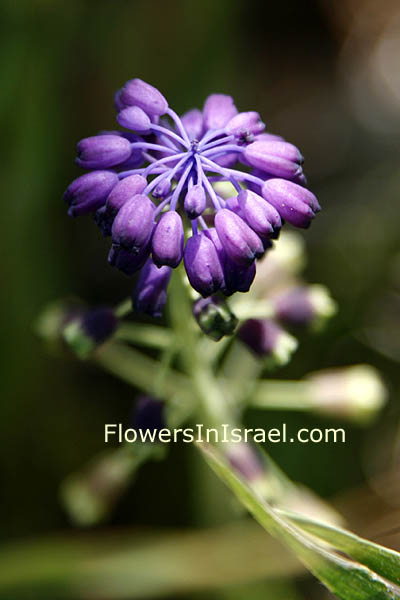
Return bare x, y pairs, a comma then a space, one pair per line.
384, 561
347, 579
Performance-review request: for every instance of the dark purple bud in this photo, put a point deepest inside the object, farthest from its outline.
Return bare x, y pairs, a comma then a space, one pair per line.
276, 158
239, 241
266, 339
236, 277
244, 124
139, 93
133, 225
168, 239
263, 218
294, 203
89, 192
214, 317
202, 265
134, 118
103, 220
195, 201
193, 123
124, 190
127, 262
218, 110
89, 329
102, 151
162, 189
150, 294
149, 414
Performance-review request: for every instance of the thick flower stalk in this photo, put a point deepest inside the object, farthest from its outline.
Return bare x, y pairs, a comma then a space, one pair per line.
144, 183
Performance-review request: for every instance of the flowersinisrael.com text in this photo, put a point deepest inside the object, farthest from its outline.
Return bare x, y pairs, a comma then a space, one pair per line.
115, 432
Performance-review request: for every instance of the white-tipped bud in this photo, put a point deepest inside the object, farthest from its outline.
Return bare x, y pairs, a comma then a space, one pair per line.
356, 392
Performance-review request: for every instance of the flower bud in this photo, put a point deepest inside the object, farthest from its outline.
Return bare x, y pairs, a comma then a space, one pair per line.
127, 262
266, 339
139, 93
133, 225
276, 158
244, 124
244, 460
162, 189
168, 239
295, 204
263, 218
125, 190
239, 241
134, 118
218, 110
236, 277
150, 294
355, 392
202, 265
214, 317
195, 201
90, 329
149, 414
102, 151
193, 123
89, 192
304, 306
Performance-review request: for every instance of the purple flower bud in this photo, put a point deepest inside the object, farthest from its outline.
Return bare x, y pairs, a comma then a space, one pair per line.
193, 123
89, 192
102, 151
168, 240
244, 124
88, 329
218, 110
202, 265
162, 189
214, 317
195, 201
139, 93
266, 339
239, 241
245, 460
124, 190
136, 156
134, 118
276, 158
149, 414
99, 323
119, 105
263, 218
133, 225
233, 204
294, 203
150, 294
295, 307
127, 262
268, 137
236, 277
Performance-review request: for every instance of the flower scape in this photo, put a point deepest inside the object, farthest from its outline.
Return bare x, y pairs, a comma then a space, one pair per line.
147, 184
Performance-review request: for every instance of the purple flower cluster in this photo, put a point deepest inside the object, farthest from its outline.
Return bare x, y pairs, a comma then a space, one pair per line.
141, 182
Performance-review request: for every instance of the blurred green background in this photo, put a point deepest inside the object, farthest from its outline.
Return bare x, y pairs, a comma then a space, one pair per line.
322, 74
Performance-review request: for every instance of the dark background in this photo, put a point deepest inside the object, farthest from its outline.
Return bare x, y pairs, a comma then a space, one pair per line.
322, 74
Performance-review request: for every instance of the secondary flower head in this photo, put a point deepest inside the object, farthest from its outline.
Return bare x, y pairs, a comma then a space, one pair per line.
148, 183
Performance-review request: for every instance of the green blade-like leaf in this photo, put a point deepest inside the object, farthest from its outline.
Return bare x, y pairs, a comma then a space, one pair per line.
347, 579
384, 561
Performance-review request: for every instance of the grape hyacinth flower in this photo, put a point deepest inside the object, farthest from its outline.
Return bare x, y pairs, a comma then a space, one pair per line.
145, 185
